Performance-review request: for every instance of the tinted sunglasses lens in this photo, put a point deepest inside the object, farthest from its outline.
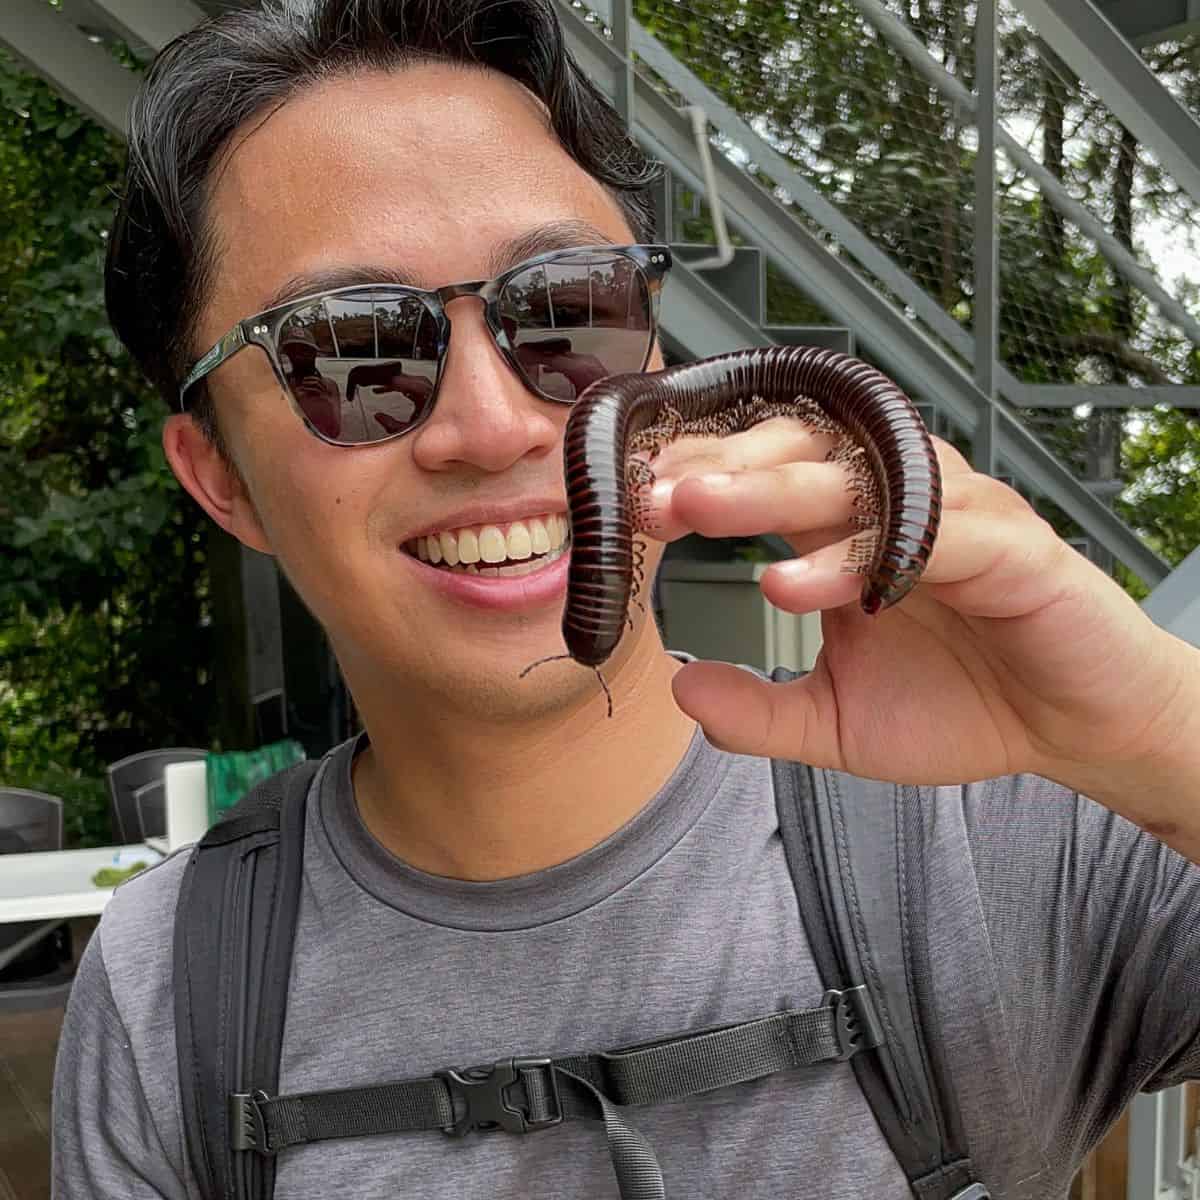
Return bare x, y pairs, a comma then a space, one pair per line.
361, 367
577, 319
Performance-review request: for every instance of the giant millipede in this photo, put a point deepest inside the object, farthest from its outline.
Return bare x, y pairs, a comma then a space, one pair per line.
892, 469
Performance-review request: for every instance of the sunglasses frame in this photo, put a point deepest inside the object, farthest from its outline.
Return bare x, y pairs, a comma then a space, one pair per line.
263, 328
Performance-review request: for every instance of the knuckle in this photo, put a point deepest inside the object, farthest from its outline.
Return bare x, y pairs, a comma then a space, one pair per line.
973, 489
950, 457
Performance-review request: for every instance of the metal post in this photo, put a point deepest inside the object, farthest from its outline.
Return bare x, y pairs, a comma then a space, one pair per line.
1145, 1181
622, 25
987, 299
1174, 1136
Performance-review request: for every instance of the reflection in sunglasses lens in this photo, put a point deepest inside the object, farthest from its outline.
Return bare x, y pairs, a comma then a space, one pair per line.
361, 367
578, 319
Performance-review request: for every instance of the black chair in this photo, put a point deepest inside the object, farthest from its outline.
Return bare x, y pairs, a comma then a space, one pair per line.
151, 803
36, 960
36, 818
127, 777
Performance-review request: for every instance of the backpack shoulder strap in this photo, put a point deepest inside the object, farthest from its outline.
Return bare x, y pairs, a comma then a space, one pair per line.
234, 925
855, 851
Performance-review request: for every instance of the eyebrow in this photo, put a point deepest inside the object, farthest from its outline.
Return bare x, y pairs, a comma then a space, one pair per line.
554, 235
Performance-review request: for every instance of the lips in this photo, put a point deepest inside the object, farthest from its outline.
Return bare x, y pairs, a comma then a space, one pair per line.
498, 566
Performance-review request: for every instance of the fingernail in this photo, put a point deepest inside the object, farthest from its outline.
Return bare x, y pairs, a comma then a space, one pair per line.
660, 493
717, 481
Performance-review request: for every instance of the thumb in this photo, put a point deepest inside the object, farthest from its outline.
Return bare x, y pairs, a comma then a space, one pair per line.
744, 714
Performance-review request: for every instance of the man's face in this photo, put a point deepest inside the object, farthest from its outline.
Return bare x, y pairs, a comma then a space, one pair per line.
444, 174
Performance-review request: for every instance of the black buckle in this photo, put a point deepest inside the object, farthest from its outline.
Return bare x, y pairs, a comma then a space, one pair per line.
482, 1092
247, 1128
857, 1025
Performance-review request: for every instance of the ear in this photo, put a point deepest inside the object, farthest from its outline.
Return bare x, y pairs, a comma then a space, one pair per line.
211, 482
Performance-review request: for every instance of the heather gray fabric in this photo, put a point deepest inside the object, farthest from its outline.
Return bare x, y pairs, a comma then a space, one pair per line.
1064, 946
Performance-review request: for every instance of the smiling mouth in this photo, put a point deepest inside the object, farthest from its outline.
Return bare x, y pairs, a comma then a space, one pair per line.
517, 548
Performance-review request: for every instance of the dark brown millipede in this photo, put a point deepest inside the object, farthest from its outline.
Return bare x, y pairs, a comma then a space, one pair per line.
891, 463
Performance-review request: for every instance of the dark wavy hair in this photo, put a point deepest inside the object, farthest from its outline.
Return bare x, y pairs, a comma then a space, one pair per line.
212, 79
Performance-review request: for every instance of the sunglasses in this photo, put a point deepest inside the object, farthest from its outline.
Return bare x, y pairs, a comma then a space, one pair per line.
363, 364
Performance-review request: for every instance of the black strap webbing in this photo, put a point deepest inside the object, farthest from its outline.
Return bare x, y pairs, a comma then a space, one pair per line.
854, 848
522, 1095
234, 923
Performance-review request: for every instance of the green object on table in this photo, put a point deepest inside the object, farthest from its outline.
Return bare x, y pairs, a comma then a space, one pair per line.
108, 877
231, 775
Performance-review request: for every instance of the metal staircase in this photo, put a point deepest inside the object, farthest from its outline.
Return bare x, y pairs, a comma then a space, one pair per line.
898, 325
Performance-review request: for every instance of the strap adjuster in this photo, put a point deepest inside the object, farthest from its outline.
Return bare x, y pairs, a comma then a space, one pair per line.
482, 1094
247, 1128
854, 1017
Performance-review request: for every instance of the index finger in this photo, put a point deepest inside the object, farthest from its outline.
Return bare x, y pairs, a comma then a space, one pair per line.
769, 444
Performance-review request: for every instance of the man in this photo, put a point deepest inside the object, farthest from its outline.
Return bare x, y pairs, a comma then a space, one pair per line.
320, 398
501, 868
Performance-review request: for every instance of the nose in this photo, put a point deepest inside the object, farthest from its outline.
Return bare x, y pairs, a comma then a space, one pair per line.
485, 416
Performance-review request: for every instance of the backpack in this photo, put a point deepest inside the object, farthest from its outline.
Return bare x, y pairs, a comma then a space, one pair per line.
854, 854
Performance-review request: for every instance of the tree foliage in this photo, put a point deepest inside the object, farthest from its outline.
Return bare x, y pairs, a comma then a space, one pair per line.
103, 645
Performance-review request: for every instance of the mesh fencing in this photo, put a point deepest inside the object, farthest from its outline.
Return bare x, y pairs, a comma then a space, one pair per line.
893, 146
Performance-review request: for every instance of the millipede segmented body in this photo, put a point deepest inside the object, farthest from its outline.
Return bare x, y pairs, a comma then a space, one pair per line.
892, 468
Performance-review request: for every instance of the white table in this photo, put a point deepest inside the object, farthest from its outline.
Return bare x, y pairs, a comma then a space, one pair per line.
50, 885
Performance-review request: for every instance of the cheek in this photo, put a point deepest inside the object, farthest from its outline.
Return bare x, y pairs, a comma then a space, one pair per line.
314, 502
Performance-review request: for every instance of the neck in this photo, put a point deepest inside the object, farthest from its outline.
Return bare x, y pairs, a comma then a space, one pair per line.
482, 803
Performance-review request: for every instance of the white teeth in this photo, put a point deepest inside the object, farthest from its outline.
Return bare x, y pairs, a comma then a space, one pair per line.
519, 543
523, 546
468, 547
492, 548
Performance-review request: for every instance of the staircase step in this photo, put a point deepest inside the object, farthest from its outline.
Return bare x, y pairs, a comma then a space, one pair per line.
739, 281
829, 337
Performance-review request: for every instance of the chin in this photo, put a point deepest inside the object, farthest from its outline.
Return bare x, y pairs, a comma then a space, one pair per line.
455, 678
502, 690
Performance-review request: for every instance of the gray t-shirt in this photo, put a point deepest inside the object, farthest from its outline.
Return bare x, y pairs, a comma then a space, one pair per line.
684, 918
